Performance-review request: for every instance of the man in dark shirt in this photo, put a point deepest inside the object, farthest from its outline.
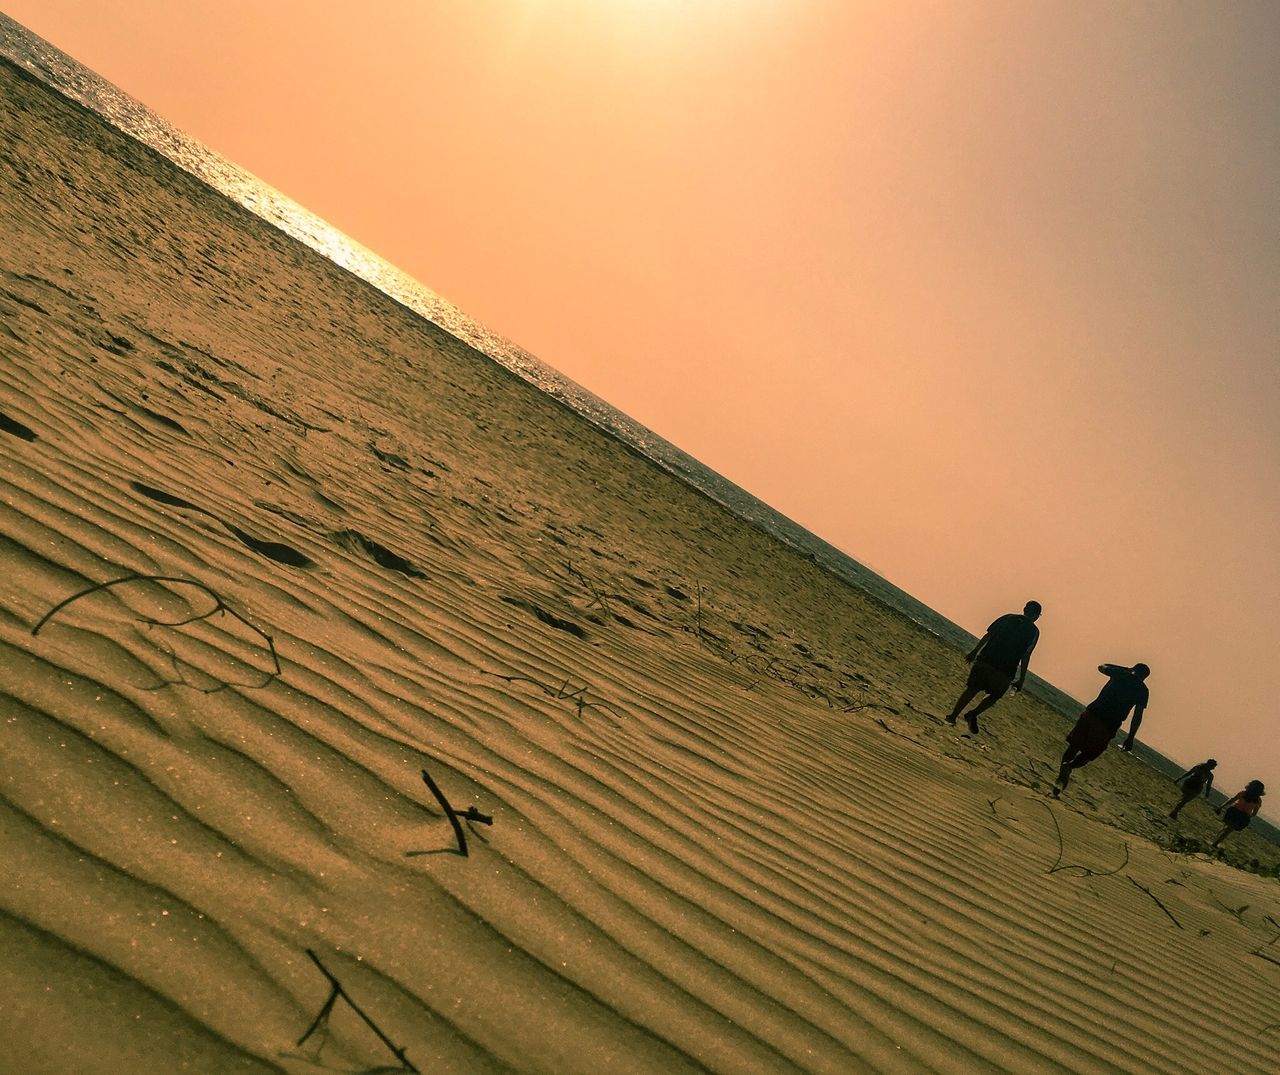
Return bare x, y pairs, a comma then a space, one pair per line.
1001, 654
1126, 689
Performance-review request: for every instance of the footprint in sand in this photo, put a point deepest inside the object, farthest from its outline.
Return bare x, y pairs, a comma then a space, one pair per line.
272, 550
16, 429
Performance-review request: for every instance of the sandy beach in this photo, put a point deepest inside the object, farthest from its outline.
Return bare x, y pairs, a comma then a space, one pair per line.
729, 832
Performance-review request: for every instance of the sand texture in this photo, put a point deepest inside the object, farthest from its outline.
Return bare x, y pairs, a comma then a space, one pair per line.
728, 831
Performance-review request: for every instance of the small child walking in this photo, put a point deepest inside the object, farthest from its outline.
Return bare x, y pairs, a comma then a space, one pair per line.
1195, 781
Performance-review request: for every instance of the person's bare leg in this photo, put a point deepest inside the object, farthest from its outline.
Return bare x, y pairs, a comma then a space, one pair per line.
1218, 839
967, 696
1069, 760
1178, 809
981, 707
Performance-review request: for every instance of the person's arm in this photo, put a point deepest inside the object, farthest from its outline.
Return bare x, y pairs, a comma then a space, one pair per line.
973, 653
1207, 785
1022, 665
1223, 808
1111, 669
1133, 728
1180, 779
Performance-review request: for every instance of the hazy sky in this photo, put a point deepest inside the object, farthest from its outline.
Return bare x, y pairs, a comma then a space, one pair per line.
985, 294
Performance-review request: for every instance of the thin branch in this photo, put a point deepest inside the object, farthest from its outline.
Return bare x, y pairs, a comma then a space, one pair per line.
597, 597
219, 606
1085, 871
322, 1017
578, 696
1164, 908
469, 814
1236, 912
886, 727
1058, 832
337, 990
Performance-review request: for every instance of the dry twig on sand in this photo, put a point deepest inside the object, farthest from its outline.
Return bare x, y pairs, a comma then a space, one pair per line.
578, 696
1235, 912
1158, 903
219, 606
336, 990
1059, 866
471, 813
597, 598
900, 735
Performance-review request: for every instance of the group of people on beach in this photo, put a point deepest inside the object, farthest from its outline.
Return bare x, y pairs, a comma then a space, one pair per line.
999, 663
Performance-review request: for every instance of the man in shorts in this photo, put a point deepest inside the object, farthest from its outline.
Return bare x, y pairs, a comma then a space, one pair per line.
1000, 656
1125, 690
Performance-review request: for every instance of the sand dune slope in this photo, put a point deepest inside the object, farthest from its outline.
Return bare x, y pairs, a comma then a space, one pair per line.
727, 833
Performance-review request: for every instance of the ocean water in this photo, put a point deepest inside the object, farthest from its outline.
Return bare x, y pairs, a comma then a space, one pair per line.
74, 81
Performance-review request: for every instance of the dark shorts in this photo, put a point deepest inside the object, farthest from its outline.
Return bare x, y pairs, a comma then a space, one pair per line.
987, 677
1091, 736
1236, 819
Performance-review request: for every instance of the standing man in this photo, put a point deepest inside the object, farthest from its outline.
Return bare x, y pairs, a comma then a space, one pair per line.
1126, 689
1002, 654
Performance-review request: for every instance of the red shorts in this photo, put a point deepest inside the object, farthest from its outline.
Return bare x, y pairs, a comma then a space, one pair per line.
1091, 736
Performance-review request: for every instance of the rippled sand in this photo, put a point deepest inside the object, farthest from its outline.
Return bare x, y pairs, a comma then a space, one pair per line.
727, 835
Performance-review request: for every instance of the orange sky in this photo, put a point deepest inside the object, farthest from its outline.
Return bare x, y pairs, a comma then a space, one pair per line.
987, 295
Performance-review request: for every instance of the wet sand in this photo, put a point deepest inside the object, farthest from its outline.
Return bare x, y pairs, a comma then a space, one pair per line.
728, 831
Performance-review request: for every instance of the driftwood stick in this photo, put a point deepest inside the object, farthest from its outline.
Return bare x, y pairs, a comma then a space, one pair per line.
578, 695
469, 814
900, 735
1161, 905
1085, 871
322, 1016
397, 1051
1236, 912
597, 598
219, 606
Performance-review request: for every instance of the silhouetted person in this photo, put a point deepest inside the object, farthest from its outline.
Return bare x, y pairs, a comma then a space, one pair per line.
1197, 779
1126, 689
1001, 654
1238, 812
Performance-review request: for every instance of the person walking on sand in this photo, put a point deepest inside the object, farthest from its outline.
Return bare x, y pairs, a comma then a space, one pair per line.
1126, 689
1238, 812
1001, 654
1195, 780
